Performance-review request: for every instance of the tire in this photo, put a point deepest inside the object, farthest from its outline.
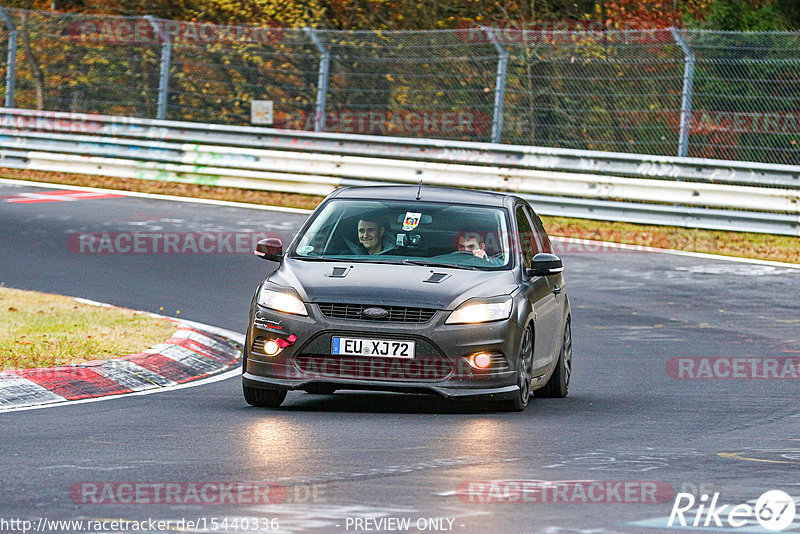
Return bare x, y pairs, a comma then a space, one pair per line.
263, 398
558, 385
524, 375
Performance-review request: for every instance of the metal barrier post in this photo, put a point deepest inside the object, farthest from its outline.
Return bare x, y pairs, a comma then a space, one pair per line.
499, 86
322, 81
163, 79
686, 96
11, 61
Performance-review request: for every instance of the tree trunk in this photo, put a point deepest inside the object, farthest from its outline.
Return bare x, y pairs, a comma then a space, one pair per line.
33, 64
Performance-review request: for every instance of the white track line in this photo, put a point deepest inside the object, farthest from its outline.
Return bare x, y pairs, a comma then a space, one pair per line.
642, 248
156, 197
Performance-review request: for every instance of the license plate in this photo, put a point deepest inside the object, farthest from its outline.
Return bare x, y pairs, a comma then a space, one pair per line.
381, 348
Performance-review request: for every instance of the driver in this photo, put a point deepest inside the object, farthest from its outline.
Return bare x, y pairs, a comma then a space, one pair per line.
370, 234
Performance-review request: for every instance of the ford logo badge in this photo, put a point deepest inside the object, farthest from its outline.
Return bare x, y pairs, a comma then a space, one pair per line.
375, 313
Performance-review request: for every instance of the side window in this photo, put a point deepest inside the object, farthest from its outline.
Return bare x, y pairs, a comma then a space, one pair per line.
526, 237
542, 235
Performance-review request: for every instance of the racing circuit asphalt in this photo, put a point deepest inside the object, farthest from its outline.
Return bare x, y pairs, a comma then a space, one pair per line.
391, 456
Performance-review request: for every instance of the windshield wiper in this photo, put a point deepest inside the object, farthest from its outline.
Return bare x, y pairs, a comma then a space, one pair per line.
322, 258
426, 263
337, 260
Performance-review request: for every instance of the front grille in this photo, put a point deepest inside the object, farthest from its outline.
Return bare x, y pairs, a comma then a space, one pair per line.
397, 314
366, 368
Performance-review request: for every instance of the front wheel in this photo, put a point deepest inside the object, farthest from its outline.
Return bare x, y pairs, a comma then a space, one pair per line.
524, 375
558, 385
263, 398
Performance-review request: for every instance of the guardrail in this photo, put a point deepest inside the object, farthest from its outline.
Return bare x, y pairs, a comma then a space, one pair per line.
688, 192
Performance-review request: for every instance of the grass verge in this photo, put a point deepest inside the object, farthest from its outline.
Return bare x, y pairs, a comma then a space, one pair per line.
42, 330
747, 245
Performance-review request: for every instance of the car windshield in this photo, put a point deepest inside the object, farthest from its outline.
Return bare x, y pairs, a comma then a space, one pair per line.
420, 233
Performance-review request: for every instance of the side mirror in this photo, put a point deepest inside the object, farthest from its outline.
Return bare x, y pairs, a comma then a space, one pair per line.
270, 248
545, 264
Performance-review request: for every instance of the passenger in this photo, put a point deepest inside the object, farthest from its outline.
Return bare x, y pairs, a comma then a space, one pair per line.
470, 243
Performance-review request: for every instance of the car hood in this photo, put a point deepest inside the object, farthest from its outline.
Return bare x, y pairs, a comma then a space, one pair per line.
388, 284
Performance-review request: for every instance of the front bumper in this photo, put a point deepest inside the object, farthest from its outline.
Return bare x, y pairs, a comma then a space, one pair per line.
439, 367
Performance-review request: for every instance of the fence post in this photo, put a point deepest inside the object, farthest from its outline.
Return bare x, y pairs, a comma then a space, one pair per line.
686, 96
322, 80
11, 61
163, 79
499, 85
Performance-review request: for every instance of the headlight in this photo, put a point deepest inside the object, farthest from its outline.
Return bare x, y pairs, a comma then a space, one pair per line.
280, 301
482, 312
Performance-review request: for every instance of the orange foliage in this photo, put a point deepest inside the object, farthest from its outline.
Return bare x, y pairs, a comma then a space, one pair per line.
621, 14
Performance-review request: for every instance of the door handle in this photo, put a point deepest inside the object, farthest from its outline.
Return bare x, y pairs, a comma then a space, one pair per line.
556, 289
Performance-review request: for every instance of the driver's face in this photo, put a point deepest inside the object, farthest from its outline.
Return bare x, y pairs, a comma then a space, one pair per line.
369, 234
468, 243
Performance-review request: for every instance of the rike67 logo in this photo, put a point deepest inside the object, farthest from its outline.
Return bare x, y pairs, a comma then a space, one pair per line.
774, 510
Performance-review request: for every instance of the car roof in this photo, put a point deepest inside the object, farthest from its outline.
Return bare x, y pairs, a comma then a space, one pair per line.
426, 193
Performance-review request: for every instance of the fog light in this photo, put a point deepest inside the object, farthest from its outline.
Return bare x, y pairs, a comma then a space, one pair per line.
480, 360
271, 348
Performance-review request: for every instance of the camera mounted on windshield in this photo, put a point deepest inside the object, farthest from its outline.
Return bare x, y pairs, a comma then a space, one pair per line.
408, 240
